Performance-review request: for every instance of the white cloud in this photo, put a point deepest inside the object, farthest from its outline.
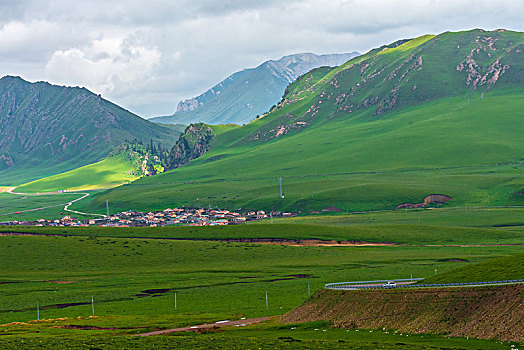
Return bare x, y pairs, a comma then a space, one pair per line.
148, 55
109, 66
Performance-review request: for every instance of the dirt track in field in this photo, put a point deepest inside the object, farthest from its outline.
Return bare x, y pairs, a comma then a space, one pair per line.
208, 326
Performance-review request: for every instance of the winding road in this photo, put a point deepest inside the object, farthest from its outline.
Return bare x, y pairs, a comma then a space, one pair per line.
409, 283
66, 205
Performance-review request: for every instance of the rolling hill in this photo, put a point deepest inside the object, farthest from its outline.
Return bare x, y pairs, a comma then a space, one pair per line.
432, 115
250, 92
47, 129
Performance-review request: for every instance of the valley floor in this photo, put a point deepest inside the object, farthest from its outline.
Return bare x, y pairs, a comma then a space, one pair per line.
135, 275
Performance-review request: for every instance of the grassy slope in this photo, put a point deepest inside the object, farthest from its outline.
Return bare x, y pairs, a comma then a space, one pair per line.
473, 312
443, 126
503, 218
504, 268
83, 129
246, 176
107, 173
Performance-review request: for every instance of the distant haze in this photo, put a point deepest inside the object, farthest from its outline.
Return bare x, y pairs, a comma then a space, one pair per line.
250, 92
148, 56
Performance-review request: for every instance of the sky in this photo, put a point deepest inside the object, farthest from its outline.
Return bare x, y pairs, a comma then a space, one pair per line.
146, 56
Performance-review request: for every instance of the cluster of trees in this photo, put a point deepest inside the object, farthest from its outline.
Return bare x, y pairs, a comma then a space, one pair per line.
148, 159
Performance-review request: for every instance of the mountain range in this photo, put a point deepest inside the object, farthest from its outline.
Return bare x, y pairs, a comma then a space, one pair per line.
47, 129
431, 115
438, 116
250, 92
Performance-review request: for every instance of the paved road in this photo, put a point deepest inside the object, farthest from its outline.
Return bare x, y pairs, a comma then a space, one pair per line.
408, 283
207, 326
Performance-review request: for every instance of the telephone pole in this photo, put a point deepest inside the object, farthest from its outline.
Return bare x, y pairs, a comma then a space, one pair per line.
107, 207
280, 181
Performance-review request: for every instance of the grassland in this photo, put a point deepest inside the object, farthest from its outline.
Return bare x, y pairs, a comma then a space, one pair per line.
372, 140
506, 218
107, 173
133, 279
504, 268
416, 235
53, 205
313, 335
379, 167
137, 277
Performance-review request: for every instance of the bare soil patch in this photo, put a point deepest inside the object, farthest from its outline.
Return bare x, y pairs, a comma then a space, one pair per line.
308, 242
208, 326
61, 282
480, 312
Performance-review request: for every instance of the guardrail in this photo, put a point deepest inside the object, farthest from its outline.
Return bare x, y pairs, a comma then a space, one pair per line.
349, 285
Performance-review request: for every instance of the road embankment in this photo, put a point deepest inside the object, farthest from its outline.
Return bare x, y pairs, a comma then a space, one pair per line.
479, 312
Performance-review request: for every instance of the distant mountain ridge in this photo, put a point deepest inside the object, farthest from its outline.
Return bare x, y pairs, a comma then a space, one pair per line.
47, 129
245, 94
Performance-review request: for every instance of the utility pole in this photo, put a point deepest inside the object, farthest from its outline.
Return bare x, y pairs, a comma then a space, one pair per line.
280, 181
175, 301
93, 305
271, 215
107, 207
308, 290
38, 312
267, 305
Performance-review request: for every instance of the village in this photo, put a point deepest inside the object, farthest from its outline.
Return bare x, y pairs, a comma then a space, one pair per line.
167, 217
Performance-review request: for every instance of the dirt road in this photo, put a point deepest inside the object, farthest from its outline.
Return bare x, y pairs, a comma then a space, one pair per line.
66, 205
215, 325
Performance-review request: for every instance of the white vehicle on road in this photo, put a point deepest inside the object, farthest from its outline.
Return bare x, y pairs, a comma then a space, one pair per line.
390, 284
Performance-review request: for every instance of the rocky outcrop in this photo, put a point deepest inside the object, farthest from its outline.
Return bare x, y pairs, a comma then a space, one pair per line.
187, 105
476, 75
428, 200
192, 144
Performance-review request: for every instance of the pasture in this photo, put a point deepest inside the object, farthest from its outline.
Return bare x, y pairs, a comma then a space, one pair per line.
134, 273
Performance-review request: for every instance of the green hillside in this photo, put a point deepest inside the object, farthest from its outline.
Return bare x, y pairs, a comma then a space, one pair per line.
498, 269
437, 114
47, 129
107, 173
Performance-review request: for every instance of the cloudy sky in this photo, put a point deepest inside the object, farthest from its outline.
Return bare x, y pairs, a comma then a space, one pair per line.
148, 55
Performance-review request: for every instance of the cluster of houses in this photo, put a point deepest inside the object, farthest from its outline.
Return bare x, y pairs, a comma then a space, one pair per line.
176, 216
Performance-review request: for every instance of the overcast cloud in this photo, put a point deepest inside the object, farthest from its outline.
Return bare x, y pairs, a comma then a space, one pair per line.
148, 55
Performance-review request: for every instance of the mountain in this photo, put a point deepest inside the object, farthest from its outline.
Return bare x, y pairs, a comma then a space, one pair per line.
250, 92
432, 115
47, 129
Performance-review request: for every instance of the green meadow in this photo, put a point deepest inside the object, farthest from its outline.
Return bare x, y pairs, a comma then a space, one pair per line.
314, 335
133, 275
53, 205
138, 277
353, 164
499, 269
107, 173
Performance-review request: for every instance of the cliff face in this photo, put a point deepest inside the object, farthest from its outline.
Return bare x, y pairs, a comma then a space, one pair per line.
193, 143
